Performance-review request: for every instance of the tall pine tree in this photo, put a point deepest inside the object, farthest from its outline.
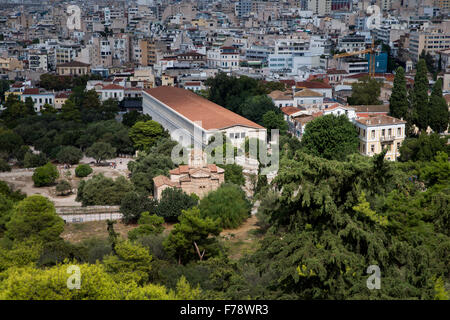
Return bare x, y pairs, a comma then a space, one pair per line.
420, 107
439, 115
398, 102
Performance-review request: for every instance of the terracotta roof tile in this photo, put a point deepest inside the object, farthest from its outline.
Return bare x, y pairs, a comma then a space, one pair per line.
313, 85
379, 119
163, 180
196, 108
308, 93
289, 110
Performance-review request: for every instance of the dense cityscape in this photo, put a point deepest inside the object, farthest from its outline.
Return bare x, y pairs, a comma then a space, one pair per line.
224, 150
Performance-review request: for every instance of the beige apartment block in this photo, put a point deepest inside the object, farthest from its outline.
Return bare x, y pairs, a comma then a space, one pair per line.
379, 132
432, 40
10, 64
73, 68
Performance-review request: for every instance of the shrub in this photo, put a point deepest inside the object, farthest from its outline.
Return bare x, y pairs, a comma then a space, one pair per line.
69, 155
33, 160
227, 205
4, 166
133, 204
45, 175
172, 201
63, 187
83, 170
148, 224
101, 190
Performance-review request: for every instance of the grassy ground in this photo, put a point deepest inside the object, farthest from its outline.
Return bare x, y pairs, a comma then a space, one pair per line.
239, 241
76, 232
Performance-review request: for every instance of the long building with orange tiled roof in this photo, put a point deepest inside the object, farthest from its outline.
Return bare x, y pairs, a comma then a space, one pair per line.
177, 108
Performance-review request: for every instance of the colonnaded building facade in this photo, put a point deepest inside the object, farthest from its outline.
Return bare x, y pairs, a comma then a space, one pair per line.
177, 108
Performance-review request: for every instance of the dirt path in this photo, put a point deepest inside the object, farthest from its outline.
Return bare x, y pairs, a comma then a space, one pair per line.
22, 179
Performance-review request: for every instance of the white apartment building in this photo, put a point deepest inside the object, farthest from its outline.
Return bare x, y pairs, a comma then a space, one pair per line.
224, 58
38, 61
319, 7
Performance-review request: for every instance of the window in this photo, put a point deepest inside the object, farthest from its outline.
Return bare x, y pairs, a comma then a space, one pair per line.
372, 148
243, 135
383, 132
389, 132
231, 135
373, 134
399, 132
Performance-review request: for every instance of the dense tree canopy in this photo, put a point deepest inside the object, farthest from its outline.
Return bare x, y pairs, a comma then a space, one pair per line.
330, 137
228, 206
366, 92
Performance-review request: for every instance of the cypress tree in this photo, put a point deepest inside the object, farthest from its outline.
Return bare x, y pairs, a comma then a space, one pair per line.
398, 102
439, 115
420, 96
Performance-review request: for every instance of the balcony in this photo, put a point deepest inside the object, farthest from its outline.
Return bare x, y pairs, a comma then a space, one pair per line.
387, 139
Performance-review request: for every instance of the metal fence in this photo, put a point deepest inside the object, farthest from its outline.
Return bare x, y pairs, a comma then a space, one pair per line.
91, 213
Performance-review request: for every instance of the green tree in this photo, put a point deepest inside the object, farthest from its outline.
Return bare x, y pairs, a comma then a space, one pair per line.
10, 143
429, 60
420, 103
439, 115
144, 134
227, 206
69, 155
274, 120
63, 187
190, 239
69, 112
148, 225
130, 118
146, 167
255, 107
133, 204
112, 191
4, 166
33, 160
365, 92
109, 108
172, 202
4, 87
48, 109
132, 262
101, 151
45, 175
83, 170
330, 137
398, 102
35, 217
423, 148
233, 174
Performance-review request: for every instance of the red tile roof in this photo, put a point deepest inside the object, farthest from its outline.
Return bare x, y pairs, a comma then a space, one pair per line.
289, 110
379, 120
196, 108
31, 91
313, 85
113, 87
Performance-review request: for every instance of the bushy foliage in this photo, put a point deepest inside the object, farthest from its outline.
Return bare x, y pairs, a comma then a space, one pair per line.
83, 170
69, 155
45, 175
330, 137
190, 239
112, 191
227, 205
172, 202
134, 204
34, 217
148, 225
